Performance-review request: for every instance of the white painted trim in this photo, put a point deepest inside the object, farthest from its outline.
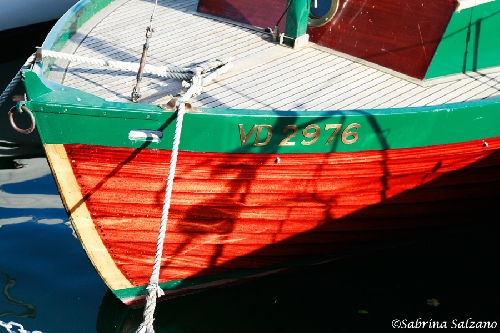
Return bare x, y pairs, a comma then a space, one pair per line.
464, 4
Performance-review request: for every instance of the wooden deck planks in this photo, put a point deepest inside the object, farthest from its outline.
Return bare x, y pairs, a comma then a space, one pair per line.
309, 79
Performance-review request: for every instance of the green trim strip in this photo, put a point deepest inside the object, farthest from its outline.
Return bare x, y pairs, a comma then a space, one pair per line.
83, 118
71, 21
237, 274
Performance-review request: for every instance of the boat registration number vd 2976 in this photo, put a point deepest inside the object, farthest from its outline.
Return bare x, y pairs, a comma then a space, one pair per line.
309, 134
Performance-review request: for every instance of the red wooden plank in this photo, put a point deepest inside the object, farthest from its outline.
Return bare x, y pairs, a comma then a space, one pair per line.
397, 34
225, 210
258, 13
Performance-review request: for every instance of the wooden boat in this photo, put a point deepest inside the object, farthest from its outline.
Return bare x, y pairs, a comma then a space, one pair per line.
351, 124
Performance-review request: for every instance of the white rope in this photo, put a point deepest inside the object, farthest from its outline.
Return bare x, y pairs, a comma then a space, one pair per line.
15, 80
206, 80
153, 288
169, 71
202, 75
209, 70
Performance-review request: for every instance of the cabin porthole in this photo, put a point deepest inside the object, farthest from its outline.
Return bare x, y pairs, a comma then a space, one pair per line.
323, 12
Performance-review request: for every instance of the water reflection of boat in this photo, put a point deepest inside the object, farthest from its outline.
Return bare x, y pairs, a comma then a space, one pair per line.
23, 183
22, 170
260, 190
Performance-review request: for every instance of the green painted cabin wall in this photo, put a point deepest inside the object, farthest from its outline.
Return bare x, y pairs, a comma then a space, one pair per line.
470, 43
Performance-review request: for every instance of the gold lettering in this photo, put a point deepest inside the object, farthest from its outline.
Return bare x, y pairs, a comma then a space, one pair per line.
259, 131
313, 136
244, 137
286, 141
337, 129
346, 134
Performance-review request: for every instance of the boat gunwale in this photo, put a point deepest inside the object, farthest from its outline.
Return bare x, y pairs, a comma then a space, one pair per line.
59, 39
77, 102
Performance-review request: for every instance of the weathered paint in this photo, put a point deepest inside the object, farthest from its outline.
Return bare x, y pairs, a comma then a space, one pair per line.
470, 42
410, 171
397, 34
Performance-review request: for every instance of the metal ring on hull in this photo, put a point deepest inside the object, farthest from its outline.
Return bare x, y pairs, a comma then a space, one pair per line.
320, 16
13, 123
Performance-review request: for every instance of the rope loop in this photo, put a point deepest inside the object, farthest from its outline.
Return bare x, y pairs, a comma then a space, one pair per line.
22, 109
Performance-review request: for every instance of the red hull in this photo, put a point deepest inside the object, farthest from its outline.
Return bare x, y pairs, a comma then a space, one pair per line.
232, 211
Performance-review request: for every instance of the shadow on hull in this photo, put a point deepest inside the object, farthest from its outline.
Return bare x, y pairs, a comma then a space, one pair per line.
364, 293
446, 250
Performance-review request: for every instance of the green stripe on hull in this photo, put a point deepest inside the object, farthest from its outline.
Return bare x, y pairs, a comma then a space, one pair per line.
198, 283
86, 119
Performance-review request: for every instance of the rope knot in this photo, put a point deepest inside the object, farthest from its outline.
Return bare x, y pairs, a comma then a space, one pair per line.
151, 288
196, 85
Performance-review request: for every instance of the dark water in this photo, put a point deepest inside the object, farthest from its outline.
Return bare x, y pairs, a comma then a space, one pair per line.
49, 285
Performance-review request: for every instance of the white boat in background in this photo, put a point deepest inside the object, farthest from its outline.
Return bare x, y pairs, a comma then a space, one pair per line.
13, 13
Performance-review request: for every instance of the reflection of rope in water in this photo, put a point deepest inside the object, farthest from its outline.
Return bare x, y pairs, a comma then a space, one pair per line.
8, 326
9, 284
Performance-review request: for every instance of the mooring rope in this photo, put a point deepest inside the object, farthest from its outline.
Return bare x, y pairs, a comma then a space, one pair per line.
201, 75
210, 69
153, 288
169, 71
15, 80
206, 72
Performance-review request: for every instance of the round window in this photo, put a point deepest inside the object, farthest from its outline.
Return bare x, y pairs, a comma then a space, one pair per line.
322, 11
